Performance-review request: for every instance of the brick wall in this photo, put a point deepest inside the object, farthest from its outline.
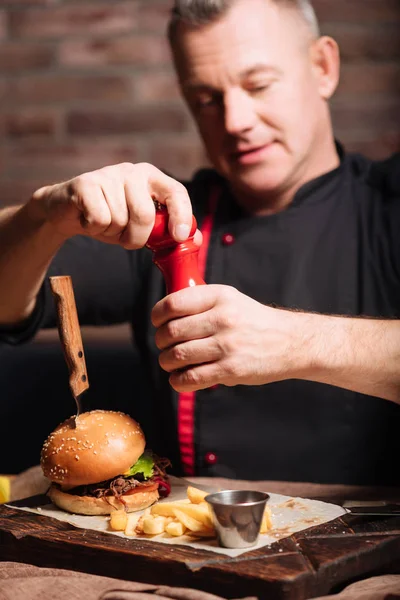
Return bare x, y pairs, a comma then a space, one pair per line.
85, 83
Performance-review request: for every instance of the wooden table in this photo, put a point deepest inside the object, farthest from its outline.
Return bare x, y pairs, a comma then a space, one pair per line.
313, 562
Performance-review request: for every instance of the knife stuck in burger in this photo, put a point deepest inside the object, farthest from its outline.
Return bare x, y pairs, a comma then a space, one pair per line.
96, 461
100, 464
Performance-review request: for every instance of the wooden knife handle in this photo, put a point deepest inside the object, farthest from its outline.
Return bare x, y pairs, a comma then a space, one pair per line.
70, 333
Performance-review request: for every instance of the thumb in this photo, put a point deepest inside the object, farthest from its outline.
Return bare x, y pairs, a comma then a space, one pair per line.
198, 238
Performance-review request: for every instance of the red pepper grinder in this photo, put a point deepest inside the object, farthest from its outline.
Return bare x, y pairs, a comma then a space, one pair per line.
176, 260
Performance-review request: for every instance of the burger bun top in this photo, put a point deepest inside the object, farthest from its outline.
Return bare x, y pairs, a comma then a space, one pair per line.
100, 446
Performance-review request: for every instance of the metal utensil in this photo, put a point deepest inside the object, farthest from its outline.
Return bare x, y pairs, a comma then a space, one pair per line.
237, 516
70, 336
378, 510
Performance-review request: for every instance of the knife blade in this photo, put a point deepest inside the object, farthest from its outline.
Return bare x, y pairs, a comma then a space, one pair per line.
374, 510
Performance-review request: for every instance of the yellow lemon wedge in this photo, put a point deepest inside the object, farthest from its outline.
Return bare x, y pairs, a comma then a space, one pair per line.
5, 489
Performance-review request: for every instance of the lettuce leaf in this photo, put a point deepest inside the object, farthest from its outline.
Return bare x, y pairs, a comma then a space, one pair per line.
145, 466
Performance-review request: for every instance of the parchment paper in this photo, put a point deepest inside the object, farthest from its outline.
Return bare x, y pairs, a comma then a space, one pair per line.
288, 516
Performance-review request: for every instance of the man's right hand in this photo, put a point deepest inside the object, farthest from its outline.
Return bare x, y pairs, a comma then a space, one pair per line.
115, 204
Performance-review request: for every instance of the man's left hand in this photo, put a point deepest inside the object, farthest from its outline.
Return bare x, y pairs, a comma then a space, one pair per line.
213, 334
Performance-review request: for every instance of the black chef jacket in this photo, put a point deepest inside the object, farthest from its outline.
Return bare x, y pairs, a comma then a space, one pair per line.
335, 250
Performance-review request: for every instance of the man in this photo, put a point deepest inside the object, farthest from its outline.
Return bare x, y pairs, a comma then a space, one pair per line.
288, 220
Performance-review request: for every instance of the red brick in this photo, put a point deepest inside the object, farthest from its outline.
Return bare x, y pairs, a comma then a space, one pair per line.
3, 157
3, 24
179, 156
357, 11
4, 87
123, 121
380, 112
27, 3
74, 19
30, 122
153, 16
369, 78
377, 147
133, 50
156, 87
72, 157
59, 88
366, 41
19, 56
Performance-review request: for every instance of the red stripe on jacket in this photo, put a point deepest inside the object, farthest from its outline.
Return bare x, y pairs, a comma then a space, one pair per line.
187, 400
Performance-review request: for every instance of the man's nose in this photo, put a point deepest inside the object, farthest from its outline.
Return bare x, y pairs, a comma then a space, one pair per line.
239, 112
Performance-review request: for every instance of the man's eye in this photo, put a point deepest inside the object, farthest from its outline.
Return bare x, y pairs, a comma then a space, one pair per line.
262, 87
206, 100
207, 103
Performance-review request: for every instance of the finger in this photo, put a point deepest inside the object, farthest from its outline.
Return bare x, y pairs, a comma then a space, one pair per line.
196, 378
141, 213
174, 195
44, 191
88, 197
189, 353
114, 194
189, 301
198, 238
184, 329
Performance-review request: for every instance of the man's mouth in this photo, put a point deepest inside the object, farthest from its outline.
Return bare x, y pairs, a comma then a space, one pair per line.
252, 154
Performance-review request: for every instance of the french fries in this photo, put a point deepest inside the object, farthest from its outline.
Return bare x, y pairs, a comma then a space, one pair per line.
154, 525
196, 496
175, 528
190, 516
131, 524
189, 522
266, 523
166, 509
199, 512
118, 520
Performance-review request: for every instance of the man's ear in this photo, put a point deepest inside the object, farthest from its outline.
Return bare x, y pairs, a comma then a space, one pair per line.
325, 60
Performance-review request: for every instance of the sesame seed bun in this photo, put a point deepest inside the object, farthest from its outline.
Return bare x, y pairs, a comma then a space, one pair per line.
87, 505
103, 445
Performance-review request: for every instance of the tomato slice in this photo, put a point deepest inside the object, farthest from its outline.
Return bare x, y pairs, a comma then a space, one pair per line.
152, 487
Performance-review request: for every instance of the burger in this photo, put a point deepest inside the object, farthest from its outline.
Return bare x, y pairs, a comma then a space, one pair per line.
97, 463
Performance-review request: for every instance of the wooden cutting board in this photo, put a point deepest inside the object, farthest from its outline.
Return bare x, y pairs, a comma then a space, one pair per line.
313, 562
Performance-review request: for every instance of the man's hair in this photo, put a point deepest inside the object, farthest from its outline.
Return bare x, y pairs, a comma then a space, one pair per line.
201, 12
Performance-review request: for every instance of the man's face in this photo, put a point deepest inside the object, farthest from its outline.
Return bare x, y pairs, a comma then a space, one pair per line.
253, 90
